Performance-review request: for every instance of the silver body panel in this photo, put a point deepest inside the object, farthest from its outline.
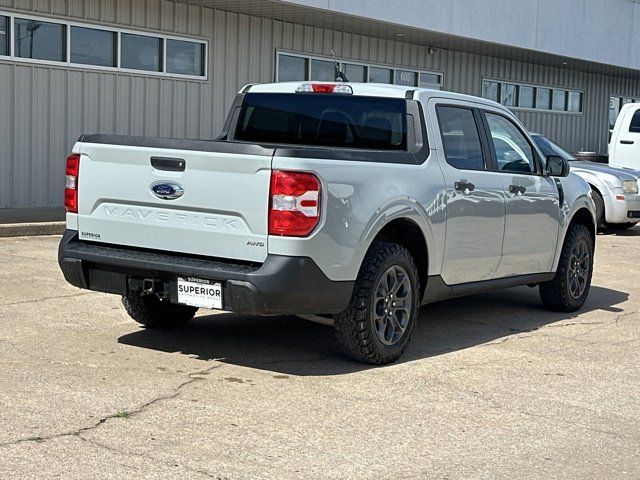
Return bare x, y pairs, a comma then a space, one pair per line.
484, 235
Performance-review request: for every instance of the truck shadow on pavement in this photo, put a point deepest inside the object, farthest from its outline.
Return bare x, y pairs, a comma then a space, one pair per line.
292, 346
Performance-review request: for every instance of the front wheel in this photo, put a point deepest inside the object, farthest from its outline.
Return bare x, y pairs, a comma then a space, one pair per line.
377, 325
569, 289
150, 311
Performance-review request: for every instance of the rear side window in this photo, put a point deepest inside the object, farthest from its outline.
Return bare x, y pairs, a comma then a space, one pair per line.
635, 123
324, 120
460, 138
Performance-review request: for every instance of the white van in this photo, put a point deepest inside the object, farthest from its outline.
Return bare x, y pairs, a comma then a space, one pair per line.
624, 148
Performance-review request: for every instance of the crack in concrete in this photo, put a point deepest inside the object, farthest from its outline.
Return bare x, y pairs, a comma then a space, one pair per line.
148, 457
193, 377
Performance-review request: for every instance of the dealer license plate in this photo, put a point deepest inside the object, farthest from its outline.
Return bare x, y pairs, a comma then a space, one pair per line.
200, 293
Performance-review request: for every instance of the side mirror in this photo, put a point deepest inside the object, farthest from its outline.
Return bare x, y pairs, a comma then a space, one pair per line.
557, 166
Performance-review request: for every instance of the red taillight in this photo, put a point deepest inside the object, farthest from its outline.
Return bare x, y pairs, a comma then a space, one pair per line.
71, 187
295, 204
323, 87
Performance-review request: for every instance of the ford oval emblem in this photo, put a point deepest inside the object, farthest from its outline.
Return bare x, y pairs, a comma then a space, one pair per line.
167, 190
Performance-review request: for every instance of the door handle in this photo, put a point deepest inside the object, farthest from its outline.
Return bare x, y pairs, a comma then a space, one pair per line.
169, 164
627, 142
517, 189
464, 186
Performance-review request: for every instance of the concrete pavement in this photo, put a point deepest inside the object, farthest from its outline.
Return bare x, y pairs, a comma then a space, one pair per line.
492, 387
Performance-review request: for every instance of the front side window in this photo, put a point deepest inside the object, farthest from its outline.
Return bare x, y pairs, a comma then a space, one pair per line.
324, 121
4, 36
185, 58
140, 52
513, 151
460, 138
90, 46
40, 40
634, 127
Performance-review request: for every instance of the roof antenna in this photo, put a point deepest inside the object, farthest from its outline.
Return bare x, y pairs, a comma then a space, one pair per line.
340, 77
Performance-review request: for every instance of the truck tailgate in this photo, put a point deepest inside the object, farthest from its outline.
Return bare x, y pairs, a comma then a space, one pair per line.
222, 212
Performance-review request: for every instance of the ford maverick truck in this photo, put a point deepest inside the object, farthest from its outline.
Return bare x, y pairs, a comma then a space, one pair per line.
355, 202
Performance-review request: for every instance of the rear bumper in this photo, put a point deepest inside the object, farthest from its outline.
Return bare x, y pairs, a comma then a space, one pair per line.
281, 285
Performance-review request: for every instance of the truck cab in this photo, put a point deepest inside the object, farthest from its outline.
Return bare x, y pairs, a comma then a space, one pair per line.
624, 147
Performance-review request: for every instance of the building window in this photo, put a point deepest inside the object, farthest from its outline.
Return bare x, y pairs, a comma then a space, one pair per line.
406, 78
4, 36
380, 75
140, 52
543, 98
491, 90
39, 40
323, 70
531, 97
509, 95
94, 47
293, 67
559, 100
185, 58
59, 42
355, 73
526, 99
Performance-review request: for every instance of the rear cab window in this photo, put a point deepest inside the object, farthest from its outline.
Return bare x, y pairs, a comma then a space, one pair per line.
318, 120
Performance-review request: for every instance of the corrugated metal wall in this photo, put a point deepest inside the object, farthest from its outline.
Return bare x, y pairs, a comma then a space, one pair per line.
44, 109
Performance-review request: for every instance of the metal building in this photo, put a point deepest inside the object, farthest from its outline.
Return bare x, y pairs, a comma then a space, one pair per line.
171, 68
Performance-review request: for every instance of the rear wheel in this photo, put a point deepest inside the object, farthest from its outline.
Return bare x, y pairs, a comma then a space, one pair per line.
568, 291
377, 325
150, 311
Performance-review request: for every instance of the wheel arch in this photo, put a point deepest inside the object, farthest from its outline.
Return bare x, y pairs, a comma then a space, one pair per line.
408, 234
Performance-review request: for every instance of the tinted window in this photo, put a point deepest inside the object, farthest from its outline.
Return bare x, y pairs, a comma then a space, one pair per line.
635, 123
93, 47
140, 52
547, 147
40, 40
460, 138
526, 97
380, 75
4, 36
543, 98
323, 71
324, 120
291, 69
185, 58
513, 152
355, 73
491, 90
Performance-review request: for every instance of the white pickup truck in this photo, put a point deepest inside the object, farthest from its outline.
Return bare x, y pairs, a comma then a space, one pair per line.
624, 147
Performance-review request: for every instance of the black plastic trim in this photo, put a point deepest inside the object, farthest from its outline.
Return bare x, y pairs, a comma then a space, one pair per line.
179, 144
169, 164
438, 290
281, 285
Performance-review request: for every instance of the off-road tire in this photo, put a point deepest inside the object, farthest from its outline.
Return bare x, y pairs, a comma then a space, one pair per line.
150, 311
355, 328
556, 294
599, 202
